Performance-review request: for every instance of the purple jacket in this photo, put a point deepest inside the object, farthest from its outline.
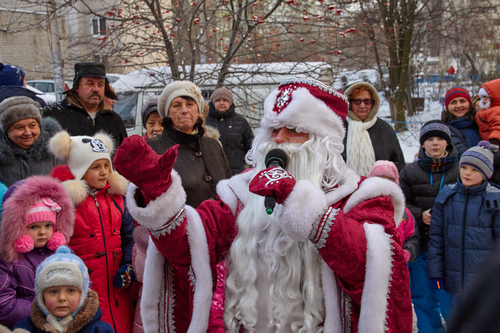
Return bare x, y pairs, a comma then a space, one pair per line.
17, 286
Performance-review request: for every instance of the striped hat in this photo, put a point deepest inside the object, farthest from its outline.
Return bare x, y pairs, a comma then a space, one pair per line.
456, 92
435, 128
480, 158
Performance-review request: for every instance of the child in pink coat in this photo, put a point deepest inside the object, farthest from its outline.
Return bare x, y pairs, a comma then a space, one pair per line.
407, 231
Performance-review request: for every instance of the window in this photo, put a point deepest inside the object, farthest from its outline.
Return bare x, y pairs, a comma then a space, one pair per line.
98, 26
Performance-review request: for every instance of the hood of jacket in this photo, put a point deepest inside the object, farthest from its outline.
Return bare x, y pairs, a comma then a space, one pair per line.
375, 96
39, 151
15, 208
493, 90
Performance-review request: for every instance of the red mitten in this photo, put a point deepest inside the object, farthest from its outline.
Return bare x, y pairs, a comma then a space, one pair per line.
273, 181
142, 166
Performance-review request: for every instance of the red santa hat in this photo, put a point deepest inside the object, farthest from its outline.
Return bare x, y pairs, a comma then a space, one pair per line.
307, 105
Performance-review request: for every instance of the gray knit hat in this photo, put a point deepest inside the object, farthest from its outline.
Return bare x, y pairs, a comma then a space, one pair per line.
17, 108
480, 158
221, 93
62, 269
435, 128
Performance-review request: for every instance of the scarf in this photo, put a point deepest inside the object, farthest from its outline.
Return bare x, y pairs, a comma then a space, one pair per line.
439, 164
360, 155
470, 133
59, 324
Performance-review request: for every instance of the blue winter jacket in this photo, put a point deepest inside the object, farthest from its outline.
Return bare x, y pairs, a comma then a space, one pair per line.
464, 228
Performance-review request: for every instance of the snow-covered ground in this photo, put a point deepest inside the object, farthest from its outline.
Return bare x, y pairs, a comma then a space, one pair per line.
409, 139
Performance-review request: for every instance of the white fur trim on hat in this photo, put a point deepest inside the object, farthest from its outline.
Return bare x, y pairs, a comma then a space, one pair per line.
176, 89
305, 112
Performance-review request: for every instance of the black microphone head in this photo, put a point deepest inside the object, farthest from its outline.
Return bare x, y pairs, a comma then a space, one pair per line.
276, 157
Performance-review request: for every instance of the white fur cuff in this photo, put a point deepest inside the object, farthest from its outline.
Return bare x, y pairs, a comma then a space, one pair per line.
162, 209
302, 207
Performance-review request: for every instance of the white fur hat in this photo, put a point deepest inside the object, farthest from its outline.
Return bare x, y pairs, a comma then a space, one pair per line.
81, 151
176, 89
307, 105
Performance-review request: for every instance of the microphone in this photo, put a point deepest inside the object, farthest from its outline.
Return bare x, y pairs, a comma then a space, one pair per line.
274, 158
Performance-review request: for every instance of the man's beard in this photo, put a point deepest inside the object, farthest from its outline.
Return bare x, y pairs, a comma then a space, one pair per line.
263, 256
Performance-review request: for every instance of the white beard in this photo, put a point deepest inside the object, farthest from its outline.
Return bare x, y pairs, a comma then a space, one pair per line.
274, 282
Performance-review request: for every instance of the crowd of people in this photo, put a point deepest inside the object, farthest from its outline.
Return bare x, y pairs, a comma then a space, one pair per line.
315, 224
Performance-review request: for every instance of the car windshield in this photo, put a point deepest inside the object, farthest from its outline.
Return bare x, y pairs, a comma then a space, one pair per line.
126, 106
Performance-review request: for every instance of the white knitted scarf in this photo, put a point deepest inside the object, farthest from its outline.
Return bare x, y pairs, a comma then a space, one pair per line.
359, 149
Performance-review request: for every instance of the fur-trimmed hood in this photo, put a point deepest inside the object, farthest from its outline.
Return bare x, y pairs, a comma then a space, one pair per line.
78, 190
15, 209
39, 150
376, 98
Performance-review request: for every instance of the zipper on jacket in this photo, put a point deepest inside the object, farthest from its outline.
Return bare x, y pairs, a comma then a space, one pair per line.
462, 252
107, 265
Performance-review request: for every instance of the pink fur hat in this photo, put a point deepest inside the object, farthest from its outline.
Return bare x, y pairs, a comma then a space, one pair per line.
385, 168
16, 214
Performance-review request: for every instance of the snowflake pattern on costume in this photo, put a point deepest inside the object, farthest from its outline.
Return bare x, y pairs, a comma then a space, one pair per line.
275, 175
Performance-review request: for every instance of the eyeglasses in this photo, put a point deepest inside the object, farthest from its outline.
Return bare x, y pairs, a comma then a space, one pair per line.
368, 101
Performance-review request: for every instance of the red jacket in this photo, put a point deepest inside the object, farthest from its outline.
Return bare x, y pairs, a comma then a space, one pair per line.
489, 120
367, 262
103, 239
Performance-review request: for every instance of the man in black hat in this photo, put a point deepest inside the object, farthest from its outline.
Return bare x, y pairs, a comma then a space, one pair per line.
83, 111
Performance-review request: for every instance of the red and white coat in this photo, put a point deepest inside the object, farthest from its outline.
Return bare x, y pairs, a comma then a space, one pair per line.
363, 261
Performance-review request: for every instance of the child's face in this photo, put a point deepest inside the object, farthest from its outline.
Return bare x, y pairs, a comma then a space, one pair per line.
97, 174
40, 232
61, 300
470, 176
435, 146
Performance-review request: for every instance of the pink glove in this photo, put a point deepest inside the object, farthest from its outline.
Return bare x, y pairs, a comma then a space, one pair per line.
141, 165
273, 181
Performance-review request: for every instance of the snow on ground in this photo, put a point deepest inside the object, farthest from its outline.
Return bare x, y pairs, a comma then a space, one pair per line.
409, 139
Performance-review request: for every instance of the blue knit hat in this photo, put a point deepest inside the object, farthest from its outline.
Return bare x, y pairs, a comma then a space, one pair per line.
480, 158
62, 269
11, 75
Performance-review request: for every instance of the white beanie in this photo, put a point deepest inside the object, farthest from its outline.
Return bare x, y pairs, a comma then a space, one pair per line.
81, 151
62, 269
176, 89
484, 93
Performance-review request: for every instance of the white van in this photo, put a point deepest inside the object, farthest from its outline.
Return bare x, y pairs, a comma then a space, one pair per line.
250, 84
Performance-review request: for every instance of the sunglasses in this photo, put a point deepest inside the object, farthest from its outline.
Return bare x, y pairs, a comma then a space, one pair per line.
368, 101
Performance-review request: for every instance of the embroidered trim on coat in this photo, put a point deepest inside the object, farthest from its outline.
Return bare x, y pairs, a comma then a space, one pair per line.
173, 223
322, 226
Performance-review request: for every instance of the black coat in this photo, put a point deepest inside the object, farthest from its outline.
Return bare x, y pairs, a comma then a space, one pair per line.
384, 141
74, 119
38, 160
420, 194
236, 136
201, 162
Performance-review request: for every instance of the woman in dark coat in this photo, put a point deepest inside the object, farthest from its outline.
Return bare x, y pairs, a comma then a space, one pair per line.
201, 161
24, 140
421, 181
459, 115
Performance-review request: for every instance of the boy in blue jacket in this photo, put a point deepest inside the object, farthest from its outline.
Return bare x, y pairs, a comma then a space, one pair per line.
465, 223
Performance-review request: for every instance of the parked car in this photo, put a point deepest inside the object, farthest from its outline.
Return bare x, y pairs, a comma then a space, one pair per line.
48, 86
48, 98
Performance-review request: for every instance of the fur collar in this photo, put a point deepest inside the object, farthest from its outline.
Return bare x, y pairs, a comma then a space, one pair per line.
84, 316
78, 190
39, 150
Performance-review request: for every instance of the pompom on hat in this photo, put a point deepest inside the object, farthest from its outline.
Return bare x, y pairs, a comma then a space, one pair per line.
17, 108
62, 269
221, 93
386, 169
456, 92
307, 105
435, 128
11, 75
479, 157
81, 151
178, 89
